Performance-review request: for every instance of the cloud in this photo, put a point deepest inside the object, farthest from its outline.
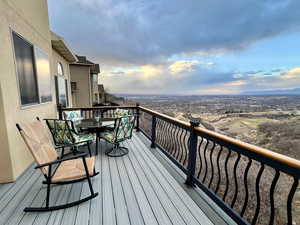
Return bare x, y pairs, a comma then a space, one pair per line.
157, 47
292, 74
135, 32
238, 75
159, 79
187, 66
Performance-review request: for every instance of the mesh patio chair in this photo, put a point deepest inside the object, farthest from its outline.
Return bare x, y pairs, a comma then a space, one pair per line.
64, 133
122, 130
55, 170
75, 116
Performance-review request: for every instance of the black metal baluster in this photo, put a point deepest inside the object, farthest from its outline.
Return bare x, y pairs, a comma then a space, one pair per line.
185, 145
168, 145
211, 164
290, 201
164, 136
153, 132
199, 153
226, 174
180, 144
173, 136
175, 139
261, 170
205, 160
272, 189
246, 186
235, 180
185, 154
219, 170
158, 130
185, 151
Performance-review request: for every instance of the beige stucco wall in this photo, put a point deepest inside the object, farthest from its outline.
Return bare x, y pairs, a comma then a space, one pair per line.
57, 58
81, 75
29, 19
5, 160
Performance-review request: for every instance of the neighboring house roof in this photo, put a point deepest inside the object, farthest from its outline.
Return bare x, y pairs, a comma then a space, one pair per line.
82, 61
59, 45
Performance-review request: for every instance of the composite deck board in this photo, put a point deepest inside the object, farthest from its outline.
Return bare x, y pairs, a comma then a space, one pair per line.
165, 201
163, 175
135, 189
96, 206
134, 210
170, 189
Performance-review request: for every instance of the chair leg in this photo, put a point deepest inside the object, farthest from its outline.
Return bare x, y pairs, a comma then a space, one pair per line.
48, 195
97, 143
57, 207
89, 148
88, 176
62, 152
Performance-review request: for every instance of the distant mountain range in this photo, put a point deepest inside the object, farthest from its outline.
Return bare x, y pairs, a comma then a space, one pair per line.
295, 91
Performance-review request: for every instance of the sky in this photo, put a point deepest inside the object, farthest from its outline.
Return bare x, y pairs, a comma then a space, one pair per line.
185, 47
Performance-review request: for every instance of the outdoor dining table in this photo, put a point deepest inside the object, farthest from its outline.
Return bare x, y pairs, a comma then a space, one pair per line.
95, 126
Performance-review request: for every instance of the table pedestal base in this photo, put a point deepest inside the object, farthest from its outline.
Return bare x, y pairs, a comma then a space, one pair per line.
117, 151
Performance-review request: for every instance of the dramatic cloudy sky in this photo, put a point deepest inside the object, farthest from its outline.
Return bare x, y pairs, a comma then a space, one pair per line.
185, 47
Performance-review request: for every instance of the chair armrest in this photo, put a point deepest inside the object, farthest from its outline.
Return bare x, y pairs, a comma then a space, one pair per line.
82, 155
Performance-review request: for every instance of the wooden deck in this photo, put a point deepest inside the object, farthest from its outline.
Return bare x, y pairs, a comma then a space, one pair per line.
134, 189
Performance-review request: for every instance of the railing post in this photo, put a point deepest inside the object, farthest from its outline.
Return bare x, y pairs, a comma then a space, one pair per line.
60, 112
153, 132
137, 117
192, 143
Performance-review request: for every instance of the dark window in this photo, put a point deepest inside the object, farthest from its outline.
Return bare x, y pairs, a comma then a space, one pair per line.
26, 71
73, 87
61, 91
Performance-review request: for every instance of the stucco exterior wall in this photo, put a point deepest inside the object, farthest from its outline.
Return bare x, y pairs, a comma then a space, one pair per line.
81, 75
29, 19
56, 58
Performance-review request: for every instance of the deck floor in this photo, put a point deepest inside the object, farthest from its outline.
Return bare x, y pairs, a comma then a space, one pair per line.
134, 189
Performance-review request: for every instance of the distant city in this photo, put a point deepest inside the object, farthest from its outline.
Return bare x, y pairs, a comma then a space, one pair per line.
270, 121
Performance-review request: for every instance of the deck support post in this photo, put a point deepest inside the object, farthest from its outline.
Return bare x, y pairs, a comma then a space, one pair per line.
137, 117
153, 132
192, 144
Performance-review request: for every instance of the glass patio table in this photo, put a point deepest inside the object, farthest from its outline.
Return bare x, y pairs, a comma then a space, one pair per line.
96, 126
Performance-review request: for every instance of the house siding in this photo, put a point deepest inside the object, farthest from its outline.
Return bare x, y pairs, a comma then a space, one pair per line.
81, 75
29, 19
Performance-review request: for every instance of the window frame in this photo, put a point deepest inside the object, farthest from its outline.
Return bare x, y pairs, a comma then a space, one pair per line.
56, 78
30, 105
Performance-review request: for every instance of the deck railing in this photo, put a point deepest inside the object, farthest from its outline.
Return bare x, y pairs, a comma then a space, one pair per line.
251, 184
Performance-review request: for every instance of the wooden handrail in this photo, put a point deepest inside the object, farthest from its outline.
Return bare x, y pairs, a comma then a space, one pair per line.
253, 148
98, 107
249, 147
168, 118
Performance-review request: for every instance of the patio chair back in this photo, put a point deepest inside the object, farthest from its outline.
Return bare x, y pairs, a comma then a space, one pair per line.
124, 127
37, 139
62, 131
73, 115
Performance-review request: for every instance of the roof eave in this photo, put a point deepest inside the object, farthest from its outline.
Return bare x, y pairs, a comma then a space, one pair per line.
59, 45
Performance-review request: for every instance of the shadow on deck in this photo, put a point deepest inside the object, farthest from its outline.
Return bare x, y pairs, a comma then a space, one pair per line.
139, 188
